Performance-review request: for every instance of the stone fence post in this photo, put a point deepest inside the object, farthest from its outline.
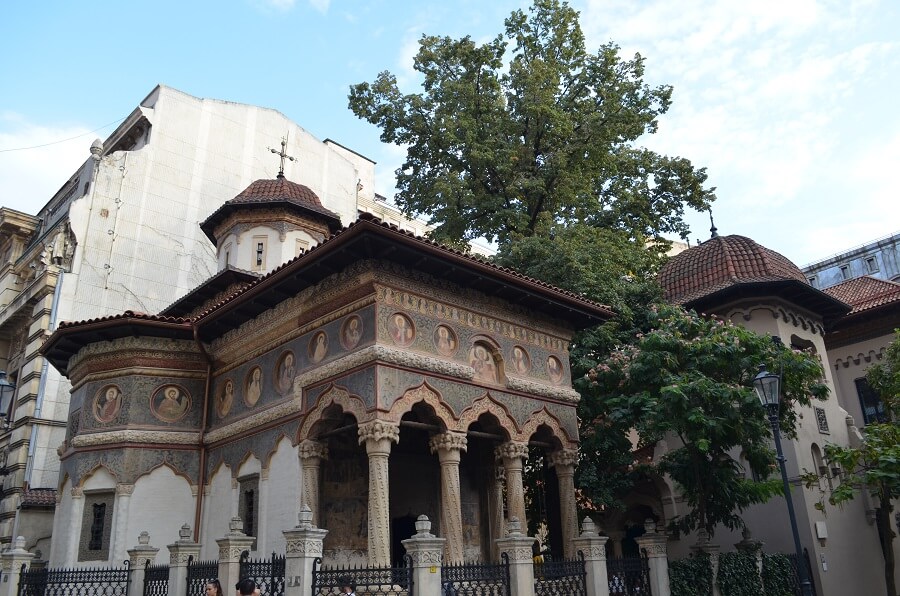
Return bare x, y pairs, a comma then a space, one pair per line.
426, 551
517, 547
752, 548
657, 558
703, 546
138, 557
303, 546
230, 548
11, 562
180, 552
593, 547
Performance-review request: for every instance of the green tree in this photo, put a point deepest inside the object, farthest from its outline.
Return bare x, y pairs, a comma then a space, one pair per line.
689, 382
506, 149
874, 463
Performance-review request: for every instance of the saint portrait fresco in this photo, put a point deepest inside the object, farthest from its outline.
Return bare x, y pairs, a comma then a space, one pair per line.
253, 386
554, 369
351, 332
401, 329
107, 403
225, 399
481, 359
445, 340
521, 361
285, 373
170, 403
318, 347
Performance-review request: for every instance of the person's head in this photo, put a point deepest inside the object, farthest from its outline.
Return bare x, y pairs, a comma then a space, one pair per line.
172, 393
246, 587
214, 588
346, 585
111, 393
229, 386
288, 360
257, 373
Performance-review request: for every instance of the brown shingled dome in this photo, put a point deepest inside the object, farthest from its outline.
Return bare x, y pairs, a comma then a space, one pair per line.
722, 262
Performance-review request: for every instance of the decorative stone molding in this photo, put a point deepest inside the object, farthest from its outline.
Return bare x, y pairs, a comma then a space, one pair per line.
563, 457
533, 387
426, 558
230, 552
77, 492
512, 450
136, 436
545, 417
426, 394
179, 558
304, 546
334, 395
448, 441
310, 449
277, 412
487, 405
378, 430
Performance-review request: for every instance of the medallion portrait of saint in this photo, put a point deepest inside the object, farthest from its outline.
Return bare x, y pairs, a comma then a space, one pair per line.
318, 347
445, 340
170, 403
226, 398
107, 403
351, 332
401, 329
481, 359
285, 373
554, 369
253, 386
521, 361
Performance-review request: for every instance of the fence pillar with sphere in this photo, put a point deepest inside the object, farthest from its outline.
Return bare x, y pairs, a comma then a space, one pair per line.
11, 563
426, 551
654, 544
303, 545
180, 553
593, 547
517, 547
138, 558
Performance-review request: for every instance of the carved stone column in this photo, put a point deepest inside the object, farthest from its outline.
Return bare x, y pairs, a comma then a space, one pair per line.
303, 546
311, 455
449, 447
513, 455
120, 512
377, 436
495, 504
74, 526
563, 461
425, 549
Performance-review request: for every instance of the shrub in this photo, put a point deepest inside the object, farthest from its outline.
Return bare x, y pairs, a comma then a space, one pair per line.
691, 576
738, 575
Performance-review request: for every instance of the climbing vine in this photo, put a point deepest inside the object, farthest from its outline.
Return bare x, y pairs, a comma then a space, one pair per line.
778, 575
738, 575
691, 576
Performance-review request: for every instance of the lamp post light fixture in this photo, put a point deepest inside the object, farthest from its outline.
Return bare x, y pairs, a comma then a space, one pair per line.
768, 390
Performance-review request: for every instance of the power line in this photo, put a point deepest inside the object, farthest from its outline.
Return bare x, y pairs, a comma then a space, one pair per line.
64, 140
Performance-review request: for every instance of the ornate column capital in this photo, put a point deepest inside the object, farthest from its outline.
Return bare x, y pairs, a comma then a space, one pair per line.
512, 450
377, 435
310, 450
125, 489
448, 442
563, 458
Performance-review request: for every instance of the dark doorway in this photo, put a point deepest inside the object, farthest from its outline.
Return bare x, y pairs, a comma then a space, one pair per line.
401, 529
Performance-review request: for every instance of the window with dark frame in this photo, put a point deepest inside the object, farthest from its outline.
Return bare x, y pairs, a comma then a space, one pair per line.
96, 526
248, 505
870, 403
99, 516
872, 265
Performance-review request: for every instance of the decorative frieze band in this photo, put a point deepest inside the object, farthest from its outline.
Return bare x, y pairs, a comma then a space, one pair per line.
566, 394
304, 546
250, 422
136, 436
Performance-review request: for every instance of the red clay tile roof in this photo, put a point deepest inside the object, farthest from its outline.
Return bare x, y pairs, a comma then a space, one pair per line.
128, 314
865, 293
722, 262
39, 497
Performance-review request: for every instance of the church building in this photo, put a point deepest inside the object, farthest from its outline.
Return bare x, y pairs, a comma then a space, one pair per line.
374, 377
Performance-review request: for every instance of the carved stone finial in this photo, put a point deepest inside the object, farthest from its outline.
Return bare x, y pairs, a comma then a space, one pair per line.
305, 516
19, 543
588, 527
185, 532
514, 527
702, 536
144, 538
236, 525
649, 526
423, 525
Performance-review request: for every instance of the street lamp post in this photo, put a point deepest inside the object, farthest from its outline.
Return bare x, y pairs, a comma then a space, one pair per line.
768, 389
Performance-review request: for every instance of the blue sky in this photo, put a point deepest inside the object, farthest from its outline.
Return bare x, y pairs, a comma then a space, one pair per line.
790, 105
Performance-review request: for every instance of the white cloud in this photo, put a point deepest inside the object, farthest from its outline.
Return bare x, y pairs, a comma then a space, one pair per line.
278, 5
32, 176
319, 5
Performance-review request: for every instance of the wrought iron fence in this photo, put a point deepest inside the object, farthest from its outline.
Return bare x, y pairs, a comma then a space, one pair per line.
628, 576
561, 578
156, 580
795, 576
200, 573
328, 581
482, 579
90, 581
267, 573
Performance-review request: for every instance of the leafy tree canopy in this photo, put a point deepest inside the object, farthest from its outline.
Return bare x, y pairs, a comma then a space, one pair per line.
529, 130
688, 381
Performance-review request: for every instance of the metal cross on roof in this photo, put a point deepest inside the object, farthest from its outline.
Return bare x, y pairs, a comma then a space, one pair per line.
283, 155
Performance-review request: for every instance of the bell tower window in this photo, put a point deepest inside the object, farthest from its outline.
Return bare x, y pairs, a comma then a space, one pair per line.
259, 253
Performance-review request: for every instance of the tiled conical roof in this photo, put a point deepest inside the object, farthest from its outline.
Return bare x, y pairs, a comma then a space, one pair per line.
721, 262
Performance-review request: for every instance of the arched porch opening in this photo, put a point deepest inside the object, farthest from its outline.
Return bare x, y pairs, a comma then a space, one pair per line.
542, 498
